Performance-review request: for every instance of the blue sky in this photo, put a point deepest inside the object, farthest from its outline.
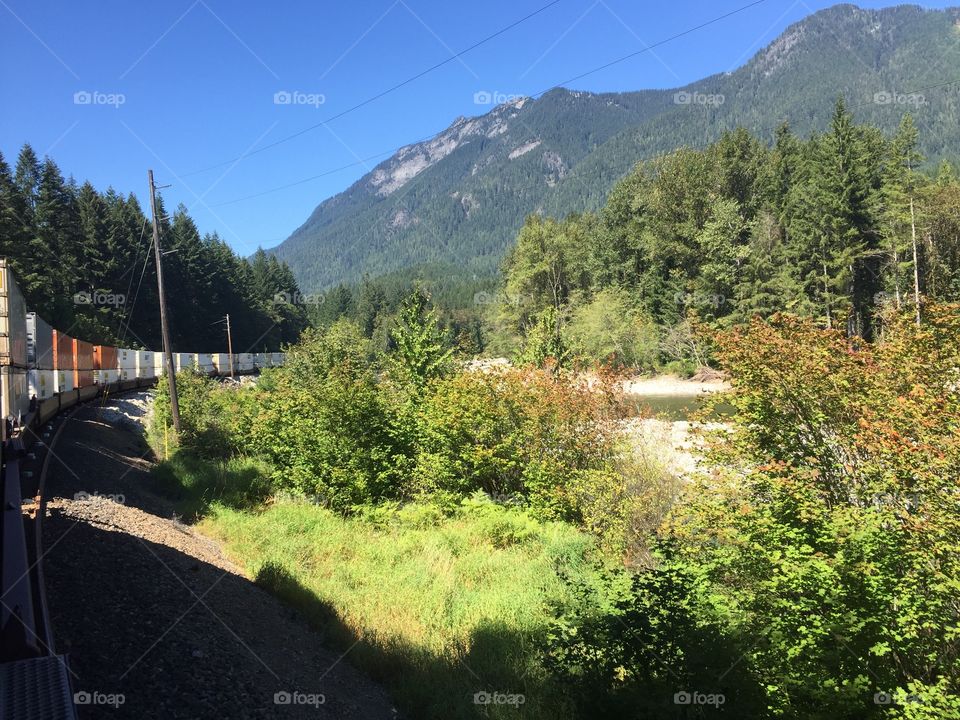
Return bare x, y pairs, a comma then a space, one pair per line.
198, 81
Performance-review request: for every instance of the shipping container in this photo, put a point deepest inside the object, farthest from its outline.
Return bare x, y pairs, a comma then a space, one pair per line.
145, 364
276, 359
15, 401
244, 362
42, 383
221, 361
39, 342
13, 320
126, 359
63, 353
184, 361
159, 363
105, 369
259, 360
82, 364
205, 363
64, 380
127, 363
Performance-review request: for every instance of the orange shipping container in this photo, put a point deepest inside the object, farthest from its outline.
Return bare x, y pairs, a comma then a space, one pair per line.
82, 363
62, 351
104, 357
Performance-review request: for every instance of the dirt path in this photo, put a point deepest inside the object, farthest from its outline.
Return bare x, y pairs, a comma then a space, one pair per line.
152, 613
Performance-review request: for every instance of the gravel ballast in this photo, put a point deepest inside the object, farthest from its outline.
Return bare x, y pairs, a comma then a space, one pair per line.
158, 623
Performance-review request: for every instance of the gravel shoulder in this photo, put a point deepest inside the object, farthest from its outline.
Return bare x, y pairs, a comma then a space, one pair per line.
153, 613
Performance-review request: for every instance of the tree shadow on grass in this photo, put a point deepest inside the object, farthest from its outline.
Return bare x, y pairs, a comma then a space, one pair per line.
492, 678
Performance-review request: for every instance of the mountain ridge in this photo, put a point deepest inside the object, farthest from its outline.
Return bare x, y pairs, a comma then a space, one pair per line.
459, 197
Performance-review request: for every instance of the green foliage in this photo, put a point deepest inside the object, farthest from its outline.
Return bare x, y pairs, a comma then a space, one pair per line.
658, 638
420, 353
326, 427
65, 243
609, 329
544, 343
830, 533
838, 227
528, 434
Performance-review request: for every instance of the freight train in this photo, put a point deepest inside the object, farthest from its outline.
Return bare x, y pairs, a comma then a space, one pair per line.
44, 370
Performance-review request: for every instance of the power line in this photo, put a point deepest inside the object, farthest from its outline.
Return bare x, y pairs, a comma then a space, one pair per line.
362, 161
380, 94
648, 48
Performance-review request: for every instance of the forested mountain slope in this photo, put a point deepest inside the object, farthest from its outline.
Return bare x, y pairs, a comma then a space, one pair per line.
460, 198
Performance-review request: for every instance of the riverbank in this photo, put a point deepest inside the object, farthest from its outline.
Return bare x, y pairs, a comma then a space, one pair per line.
673, 386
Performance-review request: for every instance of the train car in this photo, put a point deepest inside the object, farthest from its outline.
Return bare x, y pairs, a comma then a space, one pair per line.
41, 377
15, 402
146, 364
159, 364
276, 359
127, 364
63, 361
82, 364
105, 365
259, 360
205, 364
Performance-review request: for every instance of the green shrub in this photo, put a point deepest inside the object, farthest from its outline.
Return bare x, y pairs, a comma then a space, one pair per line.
525, 433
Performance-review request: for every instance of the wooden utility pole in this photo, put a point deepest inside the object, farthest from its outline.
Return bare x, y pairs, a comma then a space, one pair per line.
164, 326
230, 344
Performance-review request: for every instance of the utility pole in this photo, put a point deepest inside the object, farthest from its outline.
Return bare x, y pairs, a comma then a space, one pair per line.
230, 345
164, 326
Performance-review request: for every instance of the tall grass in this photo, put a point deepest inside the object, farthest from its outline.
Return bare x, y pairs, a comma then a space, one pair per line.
438, 608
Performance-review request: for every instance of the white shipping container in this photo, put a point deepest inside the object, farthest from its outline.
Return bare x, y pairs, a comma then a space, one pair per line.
221, 361
64, 380
184, 361
15, 401
259, 360
13, 321
145, 366
205, 363
244, 361
127, 360
276, 359
39, 342
105, 377
42, 383
159, 363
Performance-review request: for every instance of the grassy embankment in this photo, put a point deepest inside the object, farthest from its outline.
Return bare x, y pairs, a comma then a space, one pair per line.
437, 608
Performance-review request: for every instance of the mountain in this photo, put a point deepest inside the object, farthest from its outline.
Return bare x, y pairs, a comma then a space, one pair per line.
453, 204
